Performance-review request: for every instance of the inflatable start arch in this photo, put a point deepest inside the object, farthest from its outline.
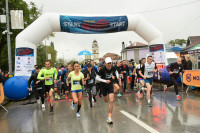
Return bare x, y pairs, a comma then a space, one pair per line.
29, 38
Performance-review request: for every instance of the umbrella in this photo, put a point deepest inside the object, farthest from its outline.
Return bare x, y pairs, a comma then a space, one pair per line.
85, 52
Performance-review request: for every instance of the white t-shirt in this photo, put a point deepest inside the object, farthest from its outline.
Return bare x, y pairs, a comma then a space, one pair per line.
149, 69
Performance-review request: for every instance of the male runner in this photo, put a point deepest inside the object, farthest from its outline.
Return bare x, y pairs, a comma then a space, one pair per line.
49, 75
107, 74
149, 69
38, 86
175, 69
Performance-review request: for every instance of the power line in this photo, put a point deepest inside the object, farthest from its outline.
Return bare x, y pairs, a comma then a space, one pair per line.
167, 7
188, 25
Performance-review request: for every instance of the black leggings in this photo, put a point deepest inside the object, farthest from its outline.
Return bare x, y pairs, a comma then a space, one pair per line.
93, 89
173, 82
39, 93
98, 88
133, 82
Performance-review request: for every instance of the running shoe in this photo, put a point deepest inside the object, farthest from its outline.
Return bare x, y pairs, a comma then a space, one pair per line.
43, 106
78, 115
92, 102
51, 108
178, 97
119, 95
100, 96
38, 101
140, 95
58, 97
109, 121
73, 106
149, 103
70, 99
165, 88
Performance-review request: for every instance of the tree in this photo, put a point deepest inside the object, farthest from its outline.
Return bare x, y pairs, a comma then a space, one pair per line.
30, 13
41, 55
52, 44
177, 41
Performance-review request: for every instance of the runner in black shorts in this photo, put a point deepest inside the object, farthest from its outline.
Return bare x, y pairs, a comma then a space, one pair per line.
49, 75
107, 74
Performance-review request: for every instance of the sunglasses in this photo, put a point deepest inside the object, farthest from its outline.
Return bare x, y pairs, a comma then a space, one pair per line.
109, 63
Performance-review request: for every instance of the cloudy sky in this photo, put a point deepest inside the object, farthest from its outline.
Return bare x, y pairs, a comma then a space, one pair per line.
177, 22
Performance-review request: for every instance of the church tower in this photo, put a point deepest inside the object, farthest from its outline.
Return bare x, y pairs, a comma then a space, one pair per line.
95, 51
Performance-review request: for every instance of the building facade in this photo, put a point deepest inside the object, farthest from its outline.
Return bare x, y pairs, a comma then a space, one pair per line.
95, 51
134, 51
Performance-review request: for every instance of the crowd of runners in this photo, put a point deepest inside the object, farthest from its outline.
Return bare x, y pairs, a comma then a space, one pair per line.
104, 80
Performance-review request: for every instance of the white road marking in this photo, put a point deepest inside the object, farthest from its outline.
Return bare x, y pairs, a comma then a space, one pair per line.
142, 124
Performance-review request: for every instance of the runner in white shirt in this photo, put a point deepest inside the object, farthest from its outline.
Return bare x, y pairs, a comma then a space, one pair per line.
149, 68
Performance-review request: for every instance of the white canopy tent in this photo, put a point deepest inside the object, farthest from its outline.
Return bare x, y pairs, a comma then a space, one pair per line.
51, 22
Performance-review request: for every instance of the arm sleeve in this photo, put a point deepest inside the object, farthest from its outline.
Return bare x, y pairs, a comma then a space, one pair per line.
40, 74
98, 78
117, 74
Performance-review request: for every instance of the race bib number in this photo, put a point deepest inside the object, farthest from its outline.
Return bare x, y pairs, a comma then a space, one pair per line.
50, 79
39, 88
150, 73
176, 71
90, 81
108, 75
76, 82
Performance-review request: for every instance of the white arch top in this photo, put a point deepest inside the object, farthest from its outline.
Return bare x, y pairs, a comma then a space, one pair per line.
86, 24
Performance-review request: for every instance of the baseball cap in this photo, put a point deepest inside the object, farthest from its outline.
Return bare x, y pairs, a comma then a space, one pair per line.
108, 60
89, 65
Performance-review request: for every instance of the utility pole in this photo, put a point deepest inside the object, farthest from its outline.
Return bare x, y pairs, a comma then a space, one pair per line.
8, 38
46, 49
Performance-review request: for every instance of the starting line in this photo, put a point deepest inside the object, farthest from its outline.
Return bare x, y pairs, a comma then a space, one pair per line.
142, 124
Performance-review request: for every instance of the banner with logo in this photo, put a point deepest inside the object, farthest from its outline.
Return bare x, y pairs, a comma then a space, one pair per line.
91, 25
158, 53
24, 60
1, 93
191, 77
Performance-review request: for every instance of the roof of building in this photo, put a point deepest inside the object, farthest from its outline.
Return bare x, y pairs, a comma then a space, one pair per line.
136, 45
191, 42
112, 55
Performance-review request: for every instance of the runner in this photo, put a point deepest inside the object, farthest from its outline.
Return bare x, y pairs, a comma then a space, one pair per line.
140, 78
125, 70
38, 86
175, 69
68, 87
149, 69
58, 84
90, 75
118, 68
132, 69
49, 74
64, 84
76, 88
107, 76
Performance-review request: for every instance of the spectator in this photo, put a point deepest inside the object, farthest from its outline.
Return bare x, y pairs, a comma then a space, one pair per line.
34, 70
189, 63
184, 62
